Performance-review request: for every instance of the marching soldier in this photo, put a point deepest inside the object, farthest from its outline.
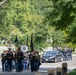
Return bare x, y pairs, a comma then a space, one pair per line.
35, 61
69, 53
3, 55
19, 58
38, 59
9, 58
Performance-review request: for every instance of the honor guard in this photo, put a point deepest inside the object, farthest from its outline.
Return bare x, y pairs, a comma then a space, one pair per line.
3, 55
9, 58
19, 58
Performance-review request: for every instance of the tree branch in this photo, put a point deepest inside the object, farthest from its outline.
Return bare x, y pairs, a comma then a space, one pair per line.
2, 2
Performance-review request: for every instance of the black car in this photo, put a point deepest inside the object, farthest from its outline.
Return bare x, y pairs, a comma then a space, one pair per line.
52, 56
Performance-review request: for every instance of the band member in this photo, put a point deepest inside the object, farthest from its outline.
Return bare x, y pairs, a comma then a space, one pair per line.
19, 58
35, 61
38, 59
9, 58
3, 55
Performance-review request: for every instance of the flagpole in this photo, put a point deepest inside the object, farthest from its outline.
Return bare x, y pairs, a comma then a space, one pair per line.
31, 44
16, 41
27, 41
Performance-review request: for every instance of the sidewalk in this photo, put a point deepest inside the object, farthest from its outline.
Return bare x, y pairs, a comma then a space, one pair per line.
73, 54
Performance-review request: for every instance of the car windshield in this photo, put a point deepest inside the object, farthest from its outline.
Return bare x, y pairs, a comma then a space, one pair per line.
52, 53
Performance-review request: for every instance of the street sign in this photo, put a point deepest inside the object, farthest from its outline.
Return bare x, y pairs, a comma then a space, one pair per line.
24, 48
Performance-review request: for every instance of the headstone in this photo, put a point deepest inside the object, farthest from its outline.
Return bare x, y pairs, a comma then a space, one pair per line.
64, 68
51, 71
58, 71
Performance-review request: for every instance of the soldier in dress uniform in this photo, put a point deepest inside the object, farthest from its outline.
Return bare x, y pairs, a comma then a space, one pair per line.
19, 58
35, 61
3, 55
69, 53
38, 59
9, 58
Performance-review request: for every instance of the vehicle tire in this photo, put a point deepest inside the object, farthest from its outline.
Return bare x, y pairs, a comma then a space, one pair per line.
55, 60
61, 59
43, 61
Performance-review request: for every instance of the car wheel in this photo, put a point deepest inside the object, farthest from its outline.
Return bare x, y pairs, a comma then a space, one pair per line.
55, 60
43, 61
61, 59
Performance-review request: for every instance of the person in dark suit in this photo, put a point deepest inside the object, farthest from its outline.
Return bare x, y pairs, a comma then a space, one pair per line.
3, 55
19, 59
9, 58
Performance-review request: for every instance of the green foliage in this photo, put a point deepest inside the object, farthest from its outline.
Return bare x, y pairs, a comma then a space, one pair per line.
72, 35
24, 17
0, 0
72, 72
62, 16
63, 13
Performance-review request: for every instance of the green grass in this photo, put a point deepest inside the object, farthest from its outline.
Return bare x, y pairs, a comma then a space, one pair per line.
72, 72
73, 52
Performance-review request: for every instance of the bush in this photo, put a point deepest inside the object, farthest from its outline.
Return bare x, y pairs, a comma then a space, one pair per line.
72, 72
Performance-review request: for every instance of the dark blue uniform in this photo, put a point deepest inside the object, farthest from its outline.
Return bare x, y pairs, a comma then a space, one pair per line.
34, 63
19, 56
3, 61
9, 58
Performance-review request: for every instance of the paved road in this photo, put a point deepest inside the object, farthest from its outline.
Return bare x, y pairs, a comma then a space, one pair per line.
44, 67
24, 73
71, 65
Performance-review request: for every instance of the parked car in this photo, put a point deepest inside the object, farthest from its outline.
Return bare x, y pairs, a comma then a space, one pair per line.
52, 56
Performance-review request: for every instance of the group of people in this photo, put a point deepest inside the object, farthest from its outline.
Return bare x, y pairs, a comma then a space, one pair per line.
19, 60
66, 53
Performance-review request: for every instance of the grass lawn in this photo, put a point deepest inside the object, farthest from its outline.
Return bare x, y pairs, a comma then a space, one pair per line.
72, 72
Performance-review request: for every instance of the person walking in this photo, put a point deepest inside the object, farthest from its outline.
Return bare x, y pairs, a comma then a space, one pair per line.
24, 61
38, 59
70, 53
3, 60
9, 58
27, 56
34, 62
19, 59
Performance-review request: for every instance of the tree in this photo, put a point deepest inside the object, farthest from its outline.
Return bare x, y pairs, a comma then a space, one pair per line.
63, 17
28, 18
63, 13
25, 18
2, 2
